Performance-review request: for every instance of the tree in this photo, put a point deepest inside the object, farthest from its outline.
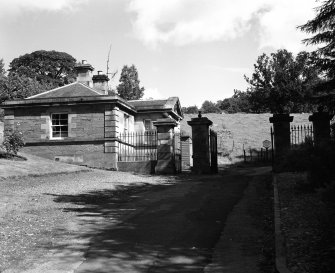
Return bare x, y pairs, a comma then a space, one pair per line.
2, 68
51, 68
323, 28
191, 110
129, 87
281, 82
239, 102
16, 87
210, 107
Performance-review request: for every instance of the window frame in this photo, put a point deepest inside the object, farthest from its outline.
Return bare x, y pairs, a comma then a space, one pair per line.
151, 125
60, 125
126, 123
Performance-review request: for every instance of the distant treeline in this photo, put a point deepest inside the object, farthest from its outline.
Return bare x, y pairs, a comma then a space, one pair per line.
280, 83
243, 102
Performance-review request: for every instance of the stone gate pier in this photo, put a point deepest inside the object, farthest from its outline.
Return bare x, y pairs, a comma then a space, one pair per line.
201, 144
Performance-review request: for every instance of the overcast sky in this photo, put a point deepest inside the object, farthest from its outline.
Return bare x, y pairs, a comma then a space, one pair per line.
195, 49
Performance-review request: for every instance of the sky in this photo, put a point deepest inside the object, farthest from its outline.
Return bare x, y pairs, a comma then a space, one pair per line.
195, 49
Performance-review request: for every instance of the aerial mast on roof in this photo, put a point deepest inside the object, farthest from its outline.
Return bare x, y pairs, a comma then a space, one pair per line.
110, 73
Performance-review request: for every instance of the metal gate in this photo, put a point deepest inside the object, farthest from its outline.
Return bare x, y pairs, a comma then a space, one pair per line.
213, 149
177, 152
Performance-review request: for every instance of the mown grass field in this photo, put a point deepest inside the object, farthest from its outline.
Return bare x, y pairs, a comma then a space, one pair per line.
239, 131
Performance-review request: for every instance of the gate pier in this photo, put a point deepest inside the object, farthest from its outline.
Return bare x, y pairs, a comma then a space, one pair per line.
281, 130
321, 127
201, 144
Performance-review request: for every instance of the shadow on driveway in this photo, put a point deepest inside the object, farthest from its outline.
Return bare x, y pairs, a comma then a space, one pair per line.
150, 228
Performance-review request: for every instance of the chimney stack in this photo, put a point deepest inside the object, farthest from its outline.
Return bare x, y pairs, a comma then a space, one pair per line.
100, 83
84, 73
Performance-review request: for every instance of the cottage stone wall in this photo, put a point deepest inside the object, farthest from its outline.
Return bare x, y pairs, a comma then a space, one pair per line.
122, 122
85, 122
139, 120
83, 154
85, 144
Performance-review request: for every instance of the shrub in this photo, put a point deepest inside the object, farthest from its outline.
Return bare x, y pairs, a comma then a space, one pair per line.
317, 160
327, 193
297, 160
13, 142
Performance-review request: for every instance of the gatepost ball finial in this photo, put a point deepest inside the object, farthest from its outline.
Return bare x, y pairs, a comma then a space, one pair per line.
199, 115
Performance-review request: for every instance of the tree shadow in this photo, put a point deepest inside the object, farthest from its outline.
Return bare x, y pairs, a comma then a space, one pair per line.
170, 227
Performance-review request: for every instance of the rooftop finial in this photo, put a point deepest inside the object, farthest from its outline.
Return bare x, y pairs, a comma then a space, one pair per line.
83, 61
99, 72
199, 115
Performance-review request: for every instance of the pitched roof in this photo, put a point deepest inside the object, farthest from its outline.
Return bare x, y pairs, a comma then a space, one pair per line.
154, 104
75, 89
170, 104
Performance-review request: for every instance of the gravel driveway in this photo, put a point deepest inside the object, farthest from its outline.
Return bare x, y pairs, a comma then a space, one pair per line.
100, 221
31, 221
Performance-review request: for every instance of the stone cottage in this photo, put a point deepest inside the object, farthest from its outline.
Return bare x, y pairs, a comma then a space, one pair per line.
81, 123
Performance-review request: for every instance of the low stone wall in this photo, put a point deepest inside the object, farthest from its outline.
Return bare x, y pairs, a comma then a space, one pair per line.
91, 155
144, 167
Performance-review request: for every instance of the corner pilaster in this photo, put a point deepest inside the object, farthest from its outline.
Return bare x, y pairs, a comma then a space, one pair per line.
111, 132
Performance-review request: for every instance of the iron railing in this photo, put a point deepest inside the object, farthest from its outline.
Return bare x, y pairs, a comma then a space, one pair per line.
213, 149
300, 134
138, 146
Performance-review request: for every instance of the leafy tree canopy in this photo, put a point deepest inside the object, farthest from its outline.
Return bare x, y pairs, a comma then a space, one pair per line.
2, 68
323, 29
129, 87
210, 107
282, 82
50, 68
239, 102
191, 110
16, 87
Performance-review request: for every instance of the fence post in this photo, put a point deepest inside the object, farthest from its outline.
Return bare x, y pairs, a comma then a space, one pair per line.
321, 126
165, 157
281, 133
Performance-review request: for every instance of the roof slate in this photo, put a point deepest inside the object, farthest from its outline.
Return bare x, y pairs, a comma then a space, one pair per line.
71, 90
154, 104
